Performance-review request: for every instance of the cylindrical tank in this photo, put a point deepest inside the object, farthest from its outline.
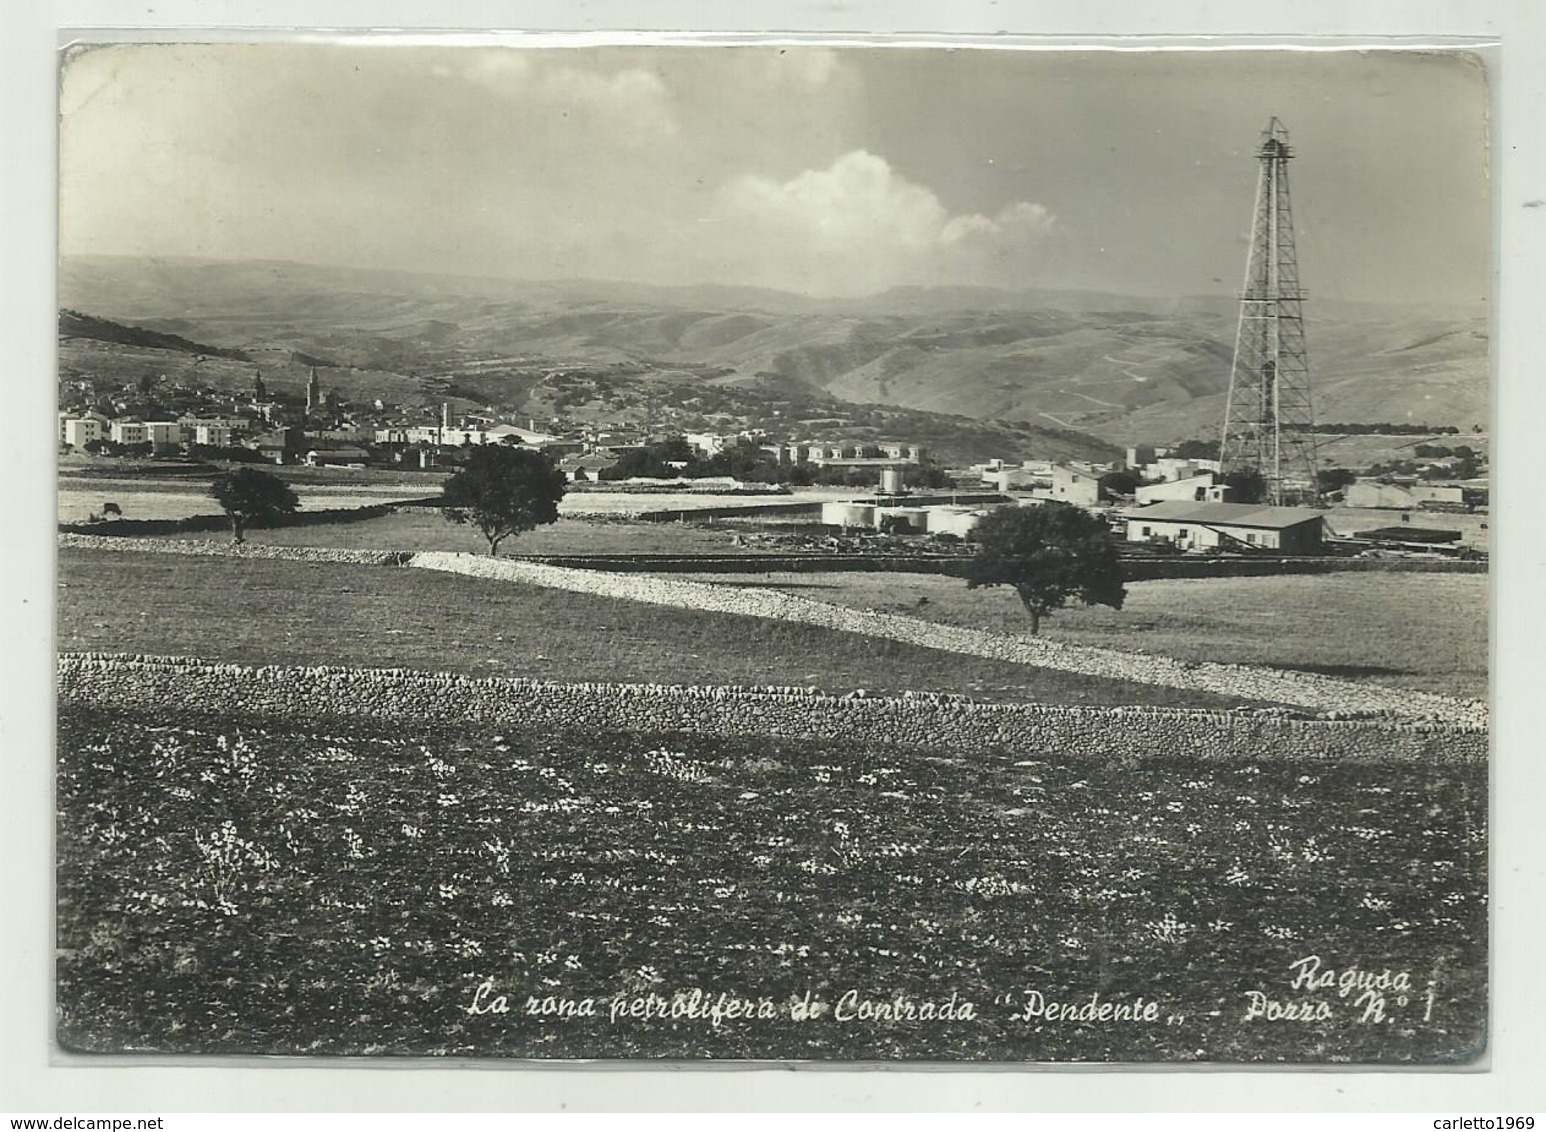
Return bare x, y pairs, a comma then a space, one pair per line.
848, 514
891, 481
958, 521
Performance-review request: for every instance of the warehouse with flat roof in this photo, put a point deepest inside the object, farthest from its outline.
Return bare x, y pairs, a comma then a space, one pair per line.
1228, 526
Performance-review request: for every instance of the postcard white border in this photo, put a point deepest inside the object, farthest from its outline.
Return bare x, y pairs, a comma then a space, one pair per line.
31, 1084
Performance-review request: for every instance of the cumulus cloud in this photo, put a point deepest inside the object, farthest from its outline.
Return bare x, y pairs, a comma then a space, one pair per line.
858, 227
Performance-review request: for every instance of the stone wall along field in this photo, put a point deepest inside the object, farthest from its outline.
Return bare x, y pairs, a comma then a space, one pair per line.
234, 550
1323, 694
1301, 689
171, 688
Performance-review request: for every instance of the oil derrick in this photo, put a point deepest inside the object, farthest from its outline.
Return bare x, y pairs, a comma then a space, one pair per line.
1268, 417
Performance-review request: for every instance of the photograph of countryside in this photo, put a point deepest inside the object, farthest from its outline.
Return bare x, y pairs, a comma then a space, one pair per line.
789, 553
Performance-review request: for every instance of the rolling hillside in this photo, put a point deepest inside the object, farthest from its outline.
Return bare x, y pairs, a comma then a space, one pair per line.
74, 324
1117, 367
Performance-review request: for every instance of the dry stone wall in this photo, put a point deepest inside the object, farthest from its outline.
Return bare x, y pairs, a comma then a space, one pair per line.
1307, 690
1331, 698
171, 687
234, 550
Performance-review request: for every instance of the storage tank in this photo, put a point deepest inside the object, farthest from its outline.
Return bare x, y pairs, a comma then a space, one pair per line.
848, 514
940, 518
958, 521
891, 481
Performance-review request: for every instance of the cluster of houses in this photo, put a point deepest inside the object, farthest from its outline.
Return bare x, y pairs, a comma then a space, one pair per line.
321, 447
1179, 503
817, 453
1209, 525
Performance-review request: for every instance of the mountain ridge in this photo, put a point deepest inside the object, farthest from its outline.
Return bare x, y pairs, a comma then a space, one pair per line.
1121, 368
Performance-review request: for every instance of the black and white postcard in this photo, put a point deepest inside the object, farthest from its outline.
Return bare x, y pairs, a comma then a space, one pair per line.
773, 552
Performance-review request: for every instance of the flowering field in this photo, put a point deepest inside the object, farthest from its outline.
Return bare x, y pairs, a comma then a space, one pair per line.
230, 886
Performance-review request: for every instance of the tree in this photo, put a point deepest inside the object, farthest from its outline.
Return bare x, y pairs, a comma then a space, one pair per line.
1124, 482
249, 495
503, 491
1197, 450
1050, 553
1335, 479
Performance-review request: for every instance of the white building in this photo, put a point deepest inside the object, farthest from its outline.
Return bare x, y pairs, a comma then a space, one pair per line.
706, 443
215, 435
1006, 476
1228, 526
1368, 493
81, 431
163, 432
1175, 468
129, 432
1070, 485
1201, 488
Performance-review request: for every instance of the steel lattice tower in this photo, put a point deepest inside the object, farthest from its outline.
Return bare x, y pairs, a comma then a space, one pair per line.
1268, 416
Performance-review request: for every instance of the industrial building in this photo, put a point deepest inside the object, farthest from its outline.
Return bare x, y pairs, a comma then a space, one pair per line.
1402, 497
1070, 483
339, 456
1202, 488
1228, 527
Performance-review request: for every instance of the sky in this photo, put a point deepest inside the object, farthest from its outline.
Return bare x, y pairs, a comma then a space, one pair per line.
821, 170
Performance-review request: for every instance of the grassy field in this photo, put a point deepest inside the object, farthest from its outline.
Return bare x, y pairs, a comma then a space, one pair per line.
231, 885
425, 529
258, 611
1421, 631
1348, 451
78, 499
151, 473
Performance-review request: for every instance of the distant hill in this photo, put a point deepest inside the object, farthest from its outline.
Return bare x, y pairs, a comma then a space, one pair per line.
1121, 368
74, 324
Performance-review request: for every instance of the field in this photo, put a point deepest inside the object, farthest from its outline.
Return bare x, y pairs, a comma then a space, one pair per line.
1357, 452
168, 499
73, 465
260, 611
239, 886
238, 883
1422, 631
424, 529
